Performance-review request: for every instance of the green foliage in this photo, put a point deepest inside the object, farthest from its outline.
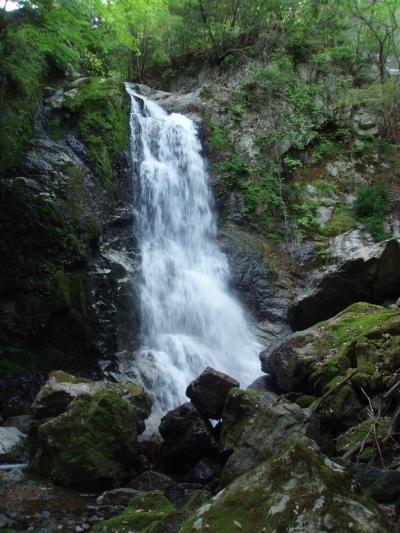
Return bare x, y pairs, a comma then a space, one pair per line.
264, 197
292, 163
44, 38
305, 216
372, 205
325, 187
342, 220
382, 99
217, 137
277, 77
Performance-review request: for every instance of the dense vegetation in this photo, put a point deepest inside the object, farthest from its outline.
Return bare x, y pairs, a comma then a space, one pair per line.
351, 49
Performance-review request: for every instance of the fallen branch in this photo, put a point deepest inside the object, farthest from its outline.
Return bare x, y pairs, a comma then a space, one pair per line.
374, 424
391, 390
354, 449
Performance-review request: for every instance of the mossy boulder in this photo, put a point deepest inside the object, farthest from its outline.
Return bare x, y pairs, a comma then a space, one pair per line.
301, 490
61, 388
363, 336
91, 445
151, 512
143, 513
256, 426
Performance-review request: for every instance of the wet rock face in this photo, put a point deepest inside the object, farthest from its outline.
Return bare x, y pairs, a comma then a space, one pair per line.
299, 490
208, 392
364, 272
188, 436
253, 280
68, 248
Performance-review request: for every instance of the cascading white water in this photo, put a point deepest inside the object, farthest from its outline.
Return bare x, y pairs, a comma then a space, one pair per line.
189, 319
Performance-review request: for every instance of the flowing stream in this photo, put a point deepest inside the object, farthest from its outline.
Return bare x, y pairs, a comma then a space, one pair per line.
189, 319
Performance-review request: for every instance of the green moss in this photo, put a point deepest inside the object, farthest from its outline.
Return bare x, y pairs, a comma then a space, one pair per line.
100, 109
306, 400
91, 444
299, 487
340, 222
364, 336
143, 513
16, 129
326, 372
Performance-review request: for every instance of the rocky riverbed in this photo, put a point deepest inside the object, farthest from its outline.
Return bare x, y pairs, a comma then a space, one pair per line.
317, 453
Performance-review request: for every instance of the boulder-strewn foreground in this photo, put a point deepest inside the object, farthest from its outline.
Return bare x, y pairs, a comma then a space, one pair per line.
260, 468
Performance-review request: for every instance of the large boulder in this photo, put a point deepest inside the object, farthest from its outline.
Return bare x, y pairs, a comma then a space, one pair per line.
298, 491
257, 425
381, 484
150, 512
11, 444
91, 445
143, 512
61, 388
365, 337
208, 392
188, 436
177, 493
362, 271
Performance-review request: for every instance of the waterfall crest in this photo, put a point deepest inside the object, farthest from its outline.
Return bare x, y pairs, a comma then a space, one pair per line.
189, 319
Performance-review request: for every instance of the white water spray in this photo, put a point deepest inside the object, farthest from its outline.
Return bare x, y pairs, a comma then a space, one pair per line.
189, 319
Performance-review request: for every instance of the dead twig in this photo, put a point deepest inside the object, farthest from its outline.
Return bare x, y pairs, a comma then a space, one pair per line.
374, 422
335, 388
354, 449
391, 390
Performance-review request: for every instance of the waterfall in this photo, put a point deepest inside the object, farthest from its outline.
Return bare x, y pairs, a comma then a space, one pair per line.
189, 319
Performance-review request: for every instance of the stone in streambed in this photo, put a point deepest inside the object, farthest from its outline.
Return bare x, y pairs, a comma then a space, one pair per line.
151, 512
188, 436
208, 392
142, 514
120, 496
91, 445
12, 442
22, 422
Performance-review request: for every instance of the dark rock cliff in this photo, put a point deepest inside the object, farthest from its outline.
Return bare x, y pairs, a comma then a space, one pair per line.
66, 235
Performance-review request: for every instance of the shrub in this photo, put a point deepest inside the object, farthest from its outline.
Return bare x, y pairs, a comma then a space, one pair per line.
371, 206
